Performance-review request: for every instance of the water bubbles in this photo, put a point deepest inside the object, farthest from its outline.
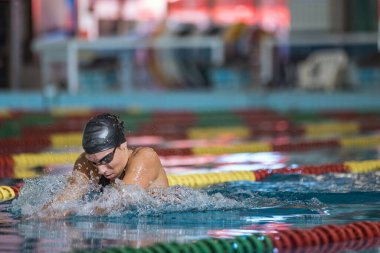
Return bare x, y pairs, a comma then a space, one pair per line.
116, 200
37, 192
123, 199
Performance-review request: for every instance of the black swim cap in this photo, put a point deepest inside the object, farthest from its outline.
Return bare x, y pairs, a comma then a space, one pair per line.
102, 132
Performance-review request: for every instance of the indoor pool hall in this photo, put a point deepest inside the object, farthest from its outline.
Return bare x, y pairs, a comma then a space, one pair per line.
189, 126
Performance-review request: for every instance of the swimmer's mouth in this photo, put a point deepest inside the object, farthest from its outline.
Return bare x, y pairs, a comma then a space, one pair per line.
108, 176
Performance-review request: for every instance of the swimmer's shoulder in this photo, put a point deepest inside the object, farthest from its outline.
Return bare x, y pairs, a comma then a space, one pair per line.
145, 161
144, 152
83, 166
81, 162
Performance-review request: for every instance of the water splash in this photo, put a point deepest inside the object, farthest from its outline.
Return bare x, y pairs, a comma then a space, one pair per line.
37, 192
121, 200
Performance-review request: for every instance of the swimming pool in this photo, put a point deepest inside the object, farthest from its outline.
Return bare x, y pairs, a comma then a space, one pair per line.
276, 202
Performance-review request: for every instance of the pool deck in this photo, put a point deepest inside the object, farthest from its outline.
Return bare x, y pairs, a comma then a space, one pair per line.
189, 100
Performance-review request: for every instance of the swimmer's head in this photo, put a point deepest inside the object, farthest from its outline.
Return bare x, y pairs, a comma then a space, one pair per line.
102, 132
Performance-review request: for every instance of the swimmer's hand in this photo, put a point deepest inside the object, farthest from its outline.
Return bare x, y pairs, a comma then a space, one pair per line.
51, 211
50, 214
100, 211
56, 215
68, 213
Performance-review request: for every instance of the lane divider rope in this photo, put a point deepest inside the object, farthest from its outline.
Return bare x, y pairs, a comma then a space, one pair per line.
328, 238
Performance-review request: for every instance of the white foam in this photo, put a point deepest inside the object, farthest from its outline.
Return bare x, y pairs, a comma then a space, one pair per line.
120, 199
116, 200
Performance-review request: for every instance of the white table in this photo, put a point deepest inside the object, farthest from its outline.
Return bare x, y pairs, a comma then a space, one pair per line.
67, 51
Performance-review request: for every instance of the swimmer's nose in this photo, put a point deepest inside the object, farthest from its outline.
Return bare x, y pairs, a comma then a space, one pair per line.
102, 169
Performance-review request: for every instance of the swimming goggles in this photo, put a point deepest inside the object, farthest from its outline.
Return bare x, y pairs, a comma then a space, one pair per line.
106, 159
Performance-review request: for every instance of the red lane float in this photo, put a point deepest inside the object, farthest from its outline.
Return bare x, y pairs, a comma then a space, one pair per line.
26, 144
328, 238
6, 166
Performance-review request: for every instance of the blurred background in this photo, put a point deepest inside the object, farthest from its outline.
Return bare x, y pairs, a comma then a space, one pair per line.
189, 54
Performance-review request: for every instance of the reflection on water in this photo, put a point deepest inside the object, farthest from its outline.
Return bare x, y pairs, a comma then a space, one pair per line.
96, 232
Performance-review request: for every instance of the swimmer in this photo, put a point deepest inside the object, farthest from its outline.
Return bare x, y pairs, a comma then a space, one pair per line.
107, 158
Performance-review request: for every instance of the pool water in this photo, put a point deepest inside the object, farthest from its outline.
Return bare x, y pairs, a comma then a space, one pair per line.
185, 214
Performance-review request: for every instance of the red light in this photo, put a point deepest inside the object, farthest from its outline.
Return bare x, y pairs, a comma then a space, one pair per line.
195, 11
274, 17
235, 14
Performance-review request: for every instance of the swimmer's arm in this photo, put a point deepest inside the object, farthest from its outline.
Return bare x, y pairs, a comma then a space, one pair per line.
144, 169
77, 185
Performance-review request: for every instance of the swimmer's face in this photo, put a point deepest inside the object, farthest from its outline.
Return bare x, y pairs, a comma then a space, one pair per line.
107, 162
